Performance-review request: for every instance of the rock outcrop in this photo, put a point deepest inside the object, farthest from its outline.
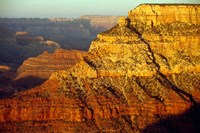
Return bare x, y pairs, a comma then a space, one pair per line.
23, 38
154, 15
135, 75
36, 70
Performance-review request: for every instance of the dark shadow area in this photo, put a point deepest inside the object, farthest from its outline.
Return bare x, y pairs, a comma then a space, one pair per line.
19, 85
27, 82
188, 122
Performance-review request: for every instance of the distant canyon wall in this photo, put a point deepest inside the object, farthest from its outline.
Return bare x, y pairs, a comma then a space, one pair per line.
69, 33
21, 38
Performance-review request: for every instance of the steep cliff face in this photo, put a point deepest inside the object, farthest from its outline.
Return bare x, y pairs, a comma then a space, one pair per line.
134, 75
165, 14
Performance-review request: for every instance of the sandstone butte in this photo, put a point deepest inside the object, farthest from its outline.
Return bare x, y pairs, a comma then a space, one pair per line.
36, 70
140, 76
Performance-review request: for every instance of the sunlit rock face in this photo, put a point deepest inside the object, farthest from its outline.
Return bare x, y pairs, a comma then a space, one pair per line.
165, 14
142, 75
36, 70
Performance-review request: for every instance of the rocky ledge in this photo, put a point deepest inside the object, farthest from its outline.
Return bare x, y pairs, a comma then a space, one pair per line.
140, 76
36, 70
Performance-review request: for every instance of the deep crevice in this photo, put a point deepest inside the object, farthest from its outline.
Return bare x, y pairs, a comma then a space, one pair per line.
127, 119
90, 63
166, 82
117, 94
145, 90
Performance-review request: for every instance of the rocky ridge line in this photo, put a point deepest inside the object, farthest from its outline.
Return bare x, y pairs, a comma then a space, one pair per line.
129, 80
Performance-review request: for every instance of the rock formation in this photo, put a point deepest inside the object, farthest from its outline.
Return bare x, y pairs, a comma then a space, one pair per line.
141, 72
36, 70
29, 37
69, 33
14, 50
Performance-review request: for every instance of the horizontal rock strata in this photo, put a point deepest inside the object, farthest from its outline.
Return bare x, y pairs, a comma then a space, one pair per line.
36, 70
136, 77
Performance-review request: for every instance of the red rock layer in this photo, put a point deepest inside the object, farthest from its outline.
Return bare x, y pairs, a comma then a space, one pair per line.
46, 109
122, 85
36, 70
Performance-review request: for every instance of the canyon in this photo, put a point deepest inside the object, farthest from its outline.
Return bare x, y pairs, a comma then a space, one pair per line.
21, 38
35, 70
140, 76
70, 33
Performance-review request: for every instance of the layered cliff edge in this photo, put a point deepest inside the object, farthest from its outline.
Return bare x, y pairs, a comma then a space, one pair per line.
35, 70
141, 71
